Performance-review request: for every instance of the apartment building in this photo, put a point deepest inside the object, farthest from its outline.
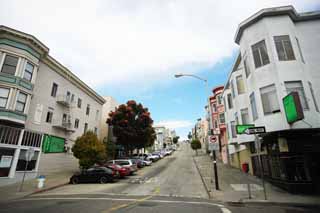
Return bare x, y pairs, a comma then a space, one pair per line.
278, 55
110, 105
218, 130
43, 106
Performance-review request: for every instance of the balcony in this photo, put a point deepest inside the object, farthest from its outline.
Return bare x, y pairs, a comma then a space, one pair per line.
64, 100
63, 125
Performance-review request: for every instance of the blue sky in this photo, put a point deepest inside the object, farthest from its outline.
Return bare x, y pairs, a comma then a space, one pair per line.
131, 49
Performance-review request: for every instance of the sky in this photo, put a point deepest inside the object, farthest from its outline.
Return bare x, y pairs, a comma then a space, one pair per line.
131, 49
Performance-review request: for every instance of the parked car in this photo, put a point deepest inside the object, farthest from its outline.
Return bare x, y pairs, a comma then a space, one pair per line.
121, 170
93, 175
125, 163
147, 162
148, 157
138, 161
158, 154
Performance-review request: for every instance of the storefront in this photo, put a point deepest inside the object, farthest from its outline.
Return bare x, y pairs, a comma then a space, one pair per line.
291, 160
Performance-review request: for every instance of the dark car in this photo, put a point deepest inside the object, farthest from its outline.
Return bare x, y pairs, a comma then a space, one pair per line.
93, 175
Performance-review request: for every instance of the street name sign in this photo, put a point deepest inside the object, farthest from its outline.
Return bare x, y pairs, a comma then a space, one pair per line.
255, 130
243, 127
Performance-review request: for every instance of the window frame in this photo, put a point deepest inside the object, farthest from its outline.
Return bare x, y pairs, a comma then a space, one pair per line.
88, 109
313, 97
20, 102
79, 103
257, 47
54, 89
264, 95
49, 117
240, 92
27, 71
305, 99
6, 98
9, 65
76, 123
281, 39
246, 110
230, 101
254, 110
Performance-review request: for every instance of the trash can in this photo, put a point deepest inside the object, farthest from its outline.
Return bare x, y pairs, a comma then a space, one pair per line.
245, 167
41, 179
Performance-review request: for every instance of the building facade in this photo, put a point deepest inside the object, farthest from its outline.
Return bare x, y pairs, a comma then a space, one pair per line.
43, 107
278, 55
218, 131
110, 105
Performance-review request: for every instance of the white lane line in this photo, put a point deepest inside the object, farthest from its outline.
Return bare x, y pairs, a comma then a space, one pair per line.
225, 210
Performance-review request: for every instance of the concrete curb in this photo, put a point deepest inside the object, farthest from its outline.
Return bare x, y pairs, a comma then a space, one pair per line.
47, 189
204, 183
273, 203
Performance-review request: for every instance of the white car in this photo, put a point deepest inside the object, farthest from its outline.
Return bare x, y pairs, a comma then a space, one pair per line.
147, 162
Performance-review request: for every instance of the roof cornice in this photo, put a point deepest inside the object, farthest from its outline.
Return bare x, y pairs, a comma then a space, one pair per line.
275, 11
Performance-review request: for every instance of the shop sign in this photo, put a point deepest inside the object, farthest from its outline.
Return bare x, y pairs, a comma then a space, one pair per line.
5, 161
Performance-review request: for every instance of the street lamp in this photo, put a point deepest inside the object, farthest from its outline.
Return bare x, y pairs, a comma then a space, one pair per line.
211, 124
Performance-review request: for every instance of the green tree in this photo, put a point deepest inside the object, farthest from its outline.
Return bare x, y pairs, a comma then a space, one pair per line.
175, 139
132, 126
195, 145
89, 150
110, 149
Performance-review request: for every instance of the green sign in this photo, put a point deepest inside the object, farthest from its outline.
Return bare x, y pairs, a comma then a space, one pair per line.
52, 144
242, 128
292, 107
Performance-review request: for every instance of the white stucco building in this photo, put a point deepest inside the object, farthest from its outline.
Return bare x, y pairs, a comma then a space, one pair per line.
278, 54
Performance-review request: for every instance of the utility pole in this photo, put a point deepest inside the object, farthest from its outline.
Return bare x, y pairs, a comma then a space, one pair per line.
215, 169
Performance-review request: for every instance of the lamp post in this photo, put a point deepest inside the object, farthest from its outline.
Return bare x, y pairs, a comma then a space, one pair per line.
210, 122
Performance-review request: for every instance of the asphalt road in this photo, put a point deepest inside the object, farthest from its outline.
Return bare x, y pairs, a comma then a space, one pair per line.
170, 185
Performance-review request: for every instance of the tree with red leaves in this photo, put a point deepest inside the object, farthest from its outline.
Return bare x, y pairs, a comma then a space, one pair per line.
132, 126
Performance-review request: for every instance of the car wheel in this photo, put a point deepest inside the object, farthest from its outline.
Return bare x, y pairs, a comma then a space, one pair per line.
75, 180
103, 180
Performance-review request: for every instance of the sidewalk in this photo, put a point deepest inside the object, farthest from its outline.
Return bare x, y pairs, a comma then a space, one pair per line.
233, 186
53, 180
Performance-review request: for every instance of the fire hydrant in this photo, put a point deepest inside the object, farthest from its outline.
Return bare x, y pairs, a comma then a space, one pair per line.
41, 179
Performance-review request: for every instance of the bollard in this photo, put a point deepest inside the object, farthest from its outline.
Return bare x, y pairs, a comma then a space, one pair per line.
41, 179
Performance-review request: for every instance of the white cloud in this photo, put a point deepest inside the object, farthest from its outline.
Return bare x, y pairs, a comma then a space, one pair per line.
135, 42
175, 124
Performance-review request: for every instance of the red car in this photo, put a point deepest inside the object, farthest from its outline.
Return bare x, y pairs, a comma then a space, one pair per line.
121, 170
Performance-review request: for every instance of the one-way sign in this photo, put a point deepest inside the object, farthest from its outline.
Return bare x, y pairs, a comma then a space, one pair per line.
255, 130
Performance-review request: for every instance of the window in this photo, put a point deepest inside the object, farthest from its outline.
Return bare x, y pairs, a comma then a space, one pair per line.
233, 129
76, 123
221, 118
313, 97
21, 102
229, 101
216, 124
9, 65
79, 103
253, 106
300, 51
240, 85
246, 67
4, 95
245, 116
28, 72
260, 54
232, 89
88, 109
269, 99
21, 165
85, 127
64, 118
296, 86
49, 117
236, 118
219, 99
284, 48
97, 115
72, 98
214, 107
54, 90
68, 96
